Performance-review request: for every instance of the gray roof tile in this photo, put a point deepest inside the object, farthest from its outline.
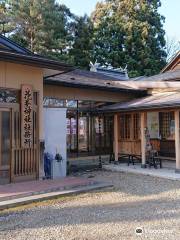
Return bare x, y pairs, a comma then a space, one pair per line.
89, 79
158, 100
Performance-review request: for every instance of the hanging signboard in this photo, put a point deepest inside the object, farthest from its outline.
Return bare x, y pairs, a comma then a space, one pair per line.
153, 124
26, 116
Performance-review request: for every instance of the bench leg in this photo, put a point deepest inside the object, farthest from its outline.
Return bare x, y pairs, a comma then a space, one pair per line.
132, 160
129, 159
149, 163
110, 158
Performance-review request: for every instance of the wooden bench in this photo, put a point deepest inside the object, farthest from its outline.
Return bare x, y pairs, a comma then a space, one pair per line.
167, 158
157, 160
133, 158
130, 157
154, 161
163, 158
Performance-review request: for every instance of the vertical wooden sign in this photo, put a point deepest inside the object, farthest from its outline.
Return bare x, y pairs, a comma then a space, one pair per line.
26, 116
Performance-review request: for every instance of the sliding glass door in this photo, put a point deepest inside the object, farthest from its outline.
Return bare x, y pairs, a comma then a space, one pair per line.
88, 134
5, 146
83, 134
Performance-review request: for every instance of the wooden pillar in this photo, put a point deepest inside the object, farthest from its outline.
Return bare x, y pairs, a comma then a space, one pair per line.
177, 141
116, 134
143, 139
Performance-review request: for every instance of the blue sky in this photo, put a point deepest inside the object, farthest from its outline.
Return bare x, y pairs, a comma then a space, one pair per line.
170, 9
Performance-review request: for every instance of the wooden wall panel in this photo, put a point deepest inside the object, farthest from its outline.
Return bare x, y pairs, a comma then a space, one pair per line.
130, 147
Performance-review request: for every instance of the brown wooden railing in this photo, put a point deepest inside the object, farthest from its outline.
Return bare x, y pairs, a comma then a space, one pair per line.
25, 161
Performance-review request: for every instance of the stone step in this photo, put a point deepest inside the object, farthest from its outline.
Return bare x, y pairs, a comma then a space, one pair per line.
48, 190
46, 196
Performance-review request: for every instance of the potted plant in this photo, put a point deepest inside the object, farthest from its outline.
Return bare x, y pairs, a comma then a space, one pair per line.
58, 157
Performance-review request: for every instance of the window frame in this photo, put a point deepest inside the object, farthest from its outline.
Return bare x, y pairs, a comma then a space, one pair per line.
129, 126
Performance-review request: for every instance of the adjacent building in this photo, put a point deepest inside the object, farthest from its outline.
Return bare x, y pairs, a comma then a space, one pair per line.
79, 114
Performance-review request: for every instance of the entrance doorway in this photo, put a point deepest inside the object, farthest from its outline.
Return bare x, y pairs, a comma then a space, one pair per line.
5, 146
83, 134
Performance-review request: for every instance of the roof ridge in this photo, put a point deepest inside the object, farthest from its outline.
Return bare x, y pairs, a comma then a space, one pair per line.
176, 55
14, 46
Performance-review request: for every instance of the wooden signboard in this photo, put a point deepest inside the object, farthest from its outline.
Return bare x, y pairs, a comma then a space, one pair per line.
26, 116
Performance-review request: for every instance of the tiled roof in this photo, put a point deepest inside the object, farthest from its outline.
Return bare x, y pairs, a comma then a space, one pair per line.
88, 79
13, 52
158, 100
173, 75
12, 46
174, 61
114, 73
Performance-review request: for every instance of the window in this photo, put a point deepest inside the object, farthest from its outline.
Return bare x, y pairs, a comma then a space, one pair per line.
129, 126
136, 126
166, 122
71, 103
53, 102
9, 96
82, 105
72, 130
125, 126
56, 102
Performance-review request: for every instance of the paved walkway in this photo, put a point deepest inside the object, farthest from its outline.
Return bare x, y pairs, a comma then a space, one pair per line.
11, 191
165, 172
13, 195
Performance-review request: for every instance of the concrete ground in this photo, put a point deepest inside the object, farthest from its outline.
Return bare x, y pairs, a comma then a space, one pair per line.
148, 205
167, 171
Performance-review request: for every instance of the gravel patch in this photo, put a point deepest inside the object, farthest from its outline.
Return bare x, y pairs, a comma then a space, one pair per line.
136, 201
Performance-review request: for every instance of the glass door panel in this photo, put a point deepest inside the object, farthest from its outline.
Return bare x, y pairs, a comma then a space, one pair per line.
72, 132
83, 134
103, 134
5, 138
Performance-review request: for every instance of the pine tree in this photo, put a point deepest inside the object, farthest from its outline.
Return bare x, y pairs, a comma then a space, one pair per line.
5, 26
130, 32
41, 26
2, 17
82, 42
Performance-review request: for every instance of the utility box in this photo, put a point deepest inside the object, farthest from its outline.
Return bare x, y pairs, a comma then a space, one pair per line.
55, 139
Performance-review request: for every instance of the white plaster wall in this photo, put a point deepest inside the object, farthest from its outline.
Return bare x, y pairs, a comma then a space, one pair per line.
55, 136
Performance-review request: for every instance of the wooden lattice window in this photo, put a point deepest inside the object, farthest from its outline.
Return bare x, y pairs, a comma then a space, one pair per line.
129, 126
125, 126
166, 124
136, 126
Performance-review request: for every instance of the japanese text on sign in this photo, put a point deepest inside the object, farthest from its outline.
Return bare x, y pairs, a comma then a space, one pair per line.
27, 116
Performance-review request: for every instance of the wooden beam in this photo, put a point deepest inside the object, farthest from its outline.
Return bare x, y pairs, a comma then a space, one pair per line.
177, 141
116, 136
143, 139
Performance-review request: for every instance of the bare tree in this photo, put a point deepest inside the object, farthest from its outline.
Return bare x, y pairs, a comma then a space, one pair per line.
172, 47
